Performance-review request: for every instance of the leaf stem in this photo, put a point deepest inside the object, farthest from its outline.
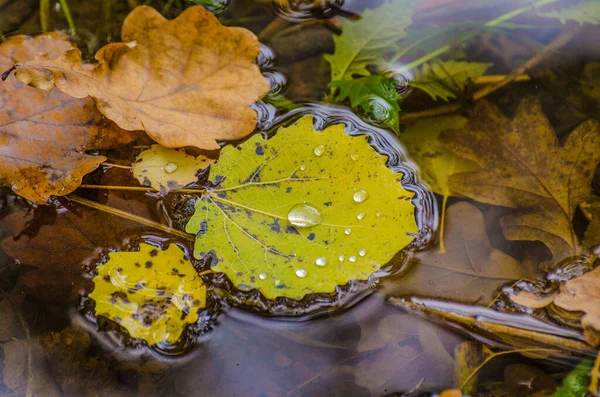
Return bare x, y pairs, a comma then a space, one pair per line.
132, 217
127, 167
429, 56
64, 5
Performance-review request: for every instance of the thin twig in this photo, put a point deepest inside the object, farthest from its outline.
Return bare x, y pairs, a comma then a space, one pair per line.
140, 189
132, 217
127, 167
496, 78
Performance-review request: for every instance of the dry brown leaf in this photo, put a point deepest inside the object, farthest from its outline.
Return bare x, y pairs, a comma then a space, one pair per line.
582, 294
186, 82
43, 135
532, 300
469, 271
525, 167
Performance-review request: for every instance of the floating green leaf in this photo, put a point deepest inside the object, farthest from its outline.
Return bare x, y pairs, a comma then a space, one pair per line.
576, 383
444, 79
376, 95
585, 11
302, 212
365, 42
153, 294
166, 169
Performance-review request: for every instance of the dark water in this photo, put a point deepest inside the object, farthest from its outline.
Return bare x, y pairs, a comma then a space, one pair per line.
355, 344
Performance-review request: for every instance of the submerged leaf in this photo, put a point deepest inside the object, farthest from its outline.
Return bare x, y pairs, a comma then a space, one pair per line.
470, 271
444, 79
153, 294
167, 169
365, 42
302, 212
43, 136
435, 161
523, 166
186, 82
375, 95
585, 11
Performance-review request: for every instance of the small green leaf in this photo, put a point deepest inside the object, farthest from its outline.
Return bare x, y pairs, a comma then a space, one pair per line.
444, 79
577, 381
302, 212
376, 95
153, 294
366, 41
585, 11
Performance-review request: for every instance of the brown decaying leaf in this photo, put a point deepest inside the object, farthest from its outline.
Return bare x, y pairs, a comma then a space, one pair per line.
58, 252
469, 271
582, 294
525, 167
43, 135
186, 82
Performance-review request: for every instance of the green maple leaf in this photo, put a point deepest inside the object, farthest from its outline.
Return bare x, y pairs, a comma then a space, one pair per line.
376, 95
576, 382
585, 11
366, 41
302, 212
445, 78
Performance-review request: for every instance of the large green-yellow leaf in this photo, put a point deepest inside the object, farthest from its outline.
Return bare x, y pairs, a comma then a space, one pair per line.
302, 212
153, 294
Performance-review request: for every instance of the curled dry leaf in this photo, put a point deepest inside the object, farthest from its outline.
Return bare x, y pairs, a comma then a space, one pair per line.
582, 294
186, 82
43, 135
471, 269
526, 168
167, 169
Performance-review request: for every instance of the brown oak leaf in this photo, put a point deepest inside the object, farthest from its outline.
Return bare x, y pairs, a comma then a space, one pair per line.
43, 135
186, 82
469, 271
526, 168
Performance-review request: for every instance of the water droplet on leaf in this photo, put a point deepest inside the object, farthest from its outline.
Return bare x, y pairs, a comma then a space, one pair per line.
354, 156
341, 258
360, 216
303, 215
321, 261
362, 252
319, 150
348, 231
360, 196
262, 276
378, 214
301, 273
352, 259
302, 167
171, 168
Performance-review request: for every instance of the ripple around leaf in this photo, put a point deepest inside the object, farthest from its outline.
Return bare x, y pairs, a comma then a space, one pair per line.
245, 217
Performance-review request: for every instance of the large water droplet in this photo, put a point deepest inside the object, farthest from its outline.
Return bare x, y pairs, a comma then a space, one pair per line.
360, 216
362, 252
171, 168
304, 215
262, 276
348, 231
301, 273
319, 150
360, 196
321, 261
352, 259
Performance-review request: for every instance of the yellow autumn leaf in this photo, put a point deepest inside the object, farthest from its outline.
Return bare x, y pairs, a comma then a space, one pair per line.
153, 294
166, 169
302, 212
